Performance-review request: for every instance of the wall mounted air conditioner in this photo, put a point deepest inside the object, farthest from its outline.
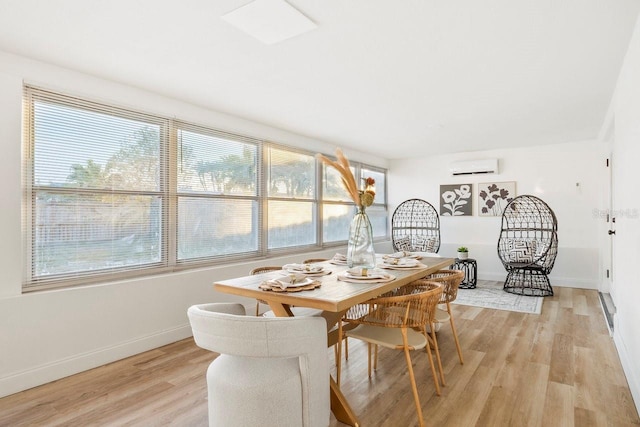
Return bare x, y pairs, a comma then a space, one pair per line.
470, 167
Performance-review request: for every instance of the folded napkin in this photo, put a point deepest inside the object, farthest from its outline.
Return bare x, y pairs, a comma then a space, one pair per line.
365, 273
303, 268
290, 280
359, 271
371, 277
339, 259
401, 254
402, 262
284, 285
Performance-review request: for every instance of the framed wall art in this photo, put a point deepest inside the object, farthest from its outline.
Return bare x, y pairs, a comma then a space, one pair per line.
493, 197
456, 200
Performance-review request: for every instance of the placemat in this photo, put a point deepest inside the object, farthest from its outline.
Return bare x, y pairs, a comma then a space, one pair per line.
275, 287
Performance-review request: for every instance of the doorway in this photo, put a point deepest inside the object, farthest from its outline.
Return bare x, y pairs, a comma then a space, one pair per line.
606, 289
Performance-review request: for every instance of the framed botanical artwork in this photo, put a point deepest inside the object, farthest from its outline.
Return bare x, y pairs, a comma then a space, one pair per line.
456, 200
493, 197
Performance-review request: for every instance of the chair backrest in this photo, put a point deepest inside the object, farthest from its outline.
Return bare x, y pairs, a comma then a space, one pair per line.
450, 280
529, 234
222, 328
415, 226
409, 306
313, 260
265, 269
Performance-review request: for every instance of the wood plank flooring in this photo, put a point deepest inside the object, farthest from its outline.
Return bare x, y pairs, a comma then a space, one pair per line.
559, 368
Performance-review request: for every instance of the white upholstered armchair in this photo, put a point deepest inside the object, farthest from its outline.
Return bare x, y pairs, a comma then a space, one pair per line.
270, 372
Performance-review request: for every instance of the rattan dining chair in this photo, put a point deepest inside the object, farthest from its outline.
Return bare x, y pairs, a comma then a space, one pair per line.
450, 280
398, 320
314, 260
259, 270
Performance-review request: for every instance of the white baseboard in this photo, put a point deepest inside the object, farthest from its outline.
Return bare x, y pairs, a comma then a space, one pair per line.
43, 374
630, 369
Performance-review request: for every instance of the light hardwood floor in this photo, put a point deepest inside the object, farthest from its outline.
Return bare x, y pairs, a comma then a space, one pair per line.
559, 368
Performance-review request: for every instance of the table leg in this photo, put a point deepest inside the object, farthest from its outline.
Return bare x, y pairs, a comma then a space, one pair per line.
340, 407
332, 319
280, 310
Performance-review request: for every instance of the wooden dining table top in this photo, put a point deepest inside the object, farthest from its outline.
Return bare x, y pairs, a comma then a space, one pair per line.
333, 295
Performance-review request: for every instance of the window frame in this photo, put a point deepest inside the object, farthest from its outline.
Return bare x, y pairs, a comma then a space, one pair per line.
170, 196
213, 260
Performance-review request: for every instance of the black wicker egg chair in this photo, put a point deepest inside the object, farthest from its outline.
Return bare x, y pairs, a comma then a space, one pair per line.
528, 246
415, 227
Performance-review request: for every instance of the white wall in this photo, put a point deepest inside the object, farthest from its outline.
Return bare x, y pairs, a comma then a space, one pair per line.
626, 282
569, 177
48, 335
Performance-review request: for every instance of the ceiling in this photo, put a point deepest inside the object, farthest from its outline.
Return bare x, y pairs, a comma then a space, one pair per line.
393, 78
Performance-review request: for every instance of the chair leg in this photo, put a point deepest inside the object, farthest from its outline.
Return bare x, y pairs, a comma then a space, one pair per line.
431, 365
369, 358
455, 333
338, 353
437, 351
257, 308
346, 348
375, 357
412, 378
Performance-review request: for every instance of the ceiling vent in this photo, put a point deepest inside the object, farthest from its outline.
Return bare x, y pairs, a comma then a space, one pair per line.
270, 21
472, 167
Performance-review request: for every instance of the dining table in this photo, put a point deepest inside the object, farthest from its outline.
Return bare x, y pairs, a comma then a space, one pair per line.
334, 296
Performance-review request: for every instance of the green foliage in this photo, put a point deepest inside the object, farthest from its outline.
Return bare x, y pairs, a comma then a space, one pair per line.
134, 166
463, 249
230, 173
89, 176
292, 178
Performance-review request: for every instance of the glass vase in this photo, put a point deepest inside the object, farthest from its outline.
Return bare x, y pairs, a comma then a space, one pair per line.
360, 252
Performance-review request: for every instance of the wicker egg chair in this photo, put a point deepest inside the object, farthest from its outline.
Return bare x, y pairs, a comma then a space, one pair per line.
415, 227
528, 246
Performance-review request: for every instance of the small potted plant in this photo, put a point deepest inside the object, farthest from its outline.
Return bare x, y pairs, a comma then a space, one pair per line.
463, 252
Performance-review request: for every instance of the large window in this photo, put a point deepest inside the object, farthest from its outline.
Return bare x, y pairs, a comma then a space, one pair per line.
218, 210
112, 193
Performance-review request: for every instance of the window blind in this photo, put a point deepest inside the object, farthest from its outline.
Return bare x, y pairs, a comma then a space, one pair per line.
95, 194
112, 193
218, 211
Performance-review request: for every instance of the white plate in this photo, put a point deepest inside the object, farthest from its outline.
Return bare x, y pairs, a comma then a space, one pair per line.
401, 263
396, 267
365, 279
285, 282
370, 275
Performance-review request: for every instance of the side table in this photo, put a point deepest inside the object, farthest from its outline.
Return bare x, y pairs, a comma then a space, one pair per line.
470, 268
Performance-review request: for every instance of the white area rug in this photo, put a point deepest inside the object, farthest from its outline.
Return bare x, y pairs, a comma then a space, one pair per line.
489, 294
